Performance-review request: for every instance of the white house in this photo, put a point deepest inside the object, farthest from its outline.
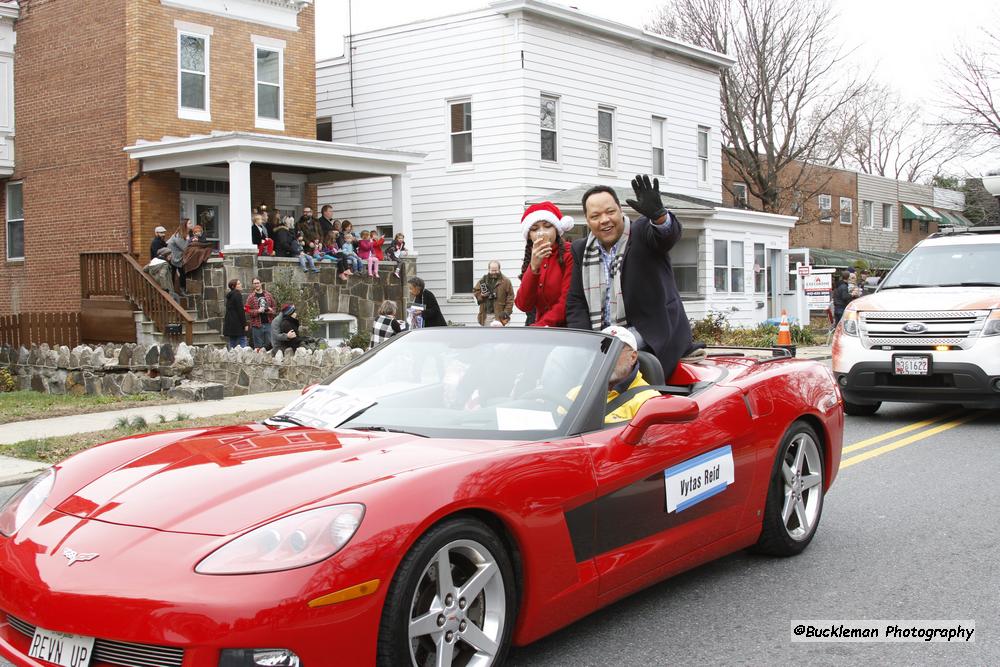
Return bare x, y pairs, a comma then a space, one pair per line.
524, 101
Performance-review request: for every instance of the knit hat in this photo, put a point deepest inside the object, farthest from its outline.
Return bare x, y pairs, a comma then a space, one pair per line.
288, 309
622, 334
547, 212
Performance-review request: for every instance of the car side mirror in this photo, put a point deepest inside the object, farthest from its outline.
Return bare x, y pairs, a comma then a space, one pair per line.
661, 410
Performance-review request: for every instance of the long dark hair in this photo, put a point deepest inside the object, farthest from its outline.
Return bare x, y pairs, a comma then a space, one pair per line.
560, 253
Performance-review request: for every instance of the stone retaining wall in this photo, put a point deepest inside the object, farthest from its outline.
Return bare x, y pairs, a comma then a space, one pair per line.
116, 370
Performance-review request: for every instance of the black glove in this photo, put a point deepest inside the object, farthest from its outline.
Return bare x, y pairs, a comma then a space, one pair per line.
647, 200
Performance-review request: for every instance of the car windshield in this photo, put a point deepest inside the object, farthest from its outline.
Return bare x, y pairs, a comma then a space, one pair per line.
962, 265
461, 382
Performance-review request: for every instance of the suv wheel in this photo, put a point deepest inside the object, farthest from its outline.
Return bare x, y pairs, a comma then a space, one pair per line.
861, 409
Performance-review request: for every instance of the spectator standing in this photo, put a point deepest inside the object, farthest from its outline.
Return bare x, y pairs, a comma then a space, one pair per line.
842, 296
386, 325
495, 295
284, 241
326, 220
261, 307
261, 237
234, 326
377, 243
159, 241
547, 268
366, 251
425, 300
178, 243
312, 234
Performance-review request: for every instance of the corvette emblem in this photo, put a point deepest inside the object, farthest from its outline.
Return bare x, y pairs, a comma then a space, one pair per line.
75, 557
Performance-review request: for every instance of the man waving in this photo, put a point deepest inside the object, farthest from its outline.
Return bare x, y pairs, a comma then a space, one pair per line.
622, 273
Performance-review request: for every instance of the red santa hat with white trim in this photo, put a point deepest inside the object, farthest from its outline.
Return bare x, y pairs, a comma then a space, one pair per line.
545, 212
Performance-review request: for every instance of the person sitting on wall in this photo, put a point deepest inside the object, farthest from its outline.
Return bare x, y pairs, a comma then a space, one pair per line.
261, 237
159, 269
285, 330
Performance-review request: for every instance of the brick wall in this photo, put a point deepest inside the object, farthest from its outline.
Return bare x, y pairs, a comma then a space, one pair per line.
152, 73
155, 201
69, 77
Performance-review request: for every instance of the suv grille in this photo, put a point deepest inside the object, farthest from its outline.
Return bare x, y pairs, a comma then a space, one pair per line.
125, 654
958, 328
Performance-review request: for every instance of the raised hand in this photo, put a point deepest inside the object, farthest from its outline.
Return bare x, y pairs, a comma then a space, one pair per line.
540, 251
647, 200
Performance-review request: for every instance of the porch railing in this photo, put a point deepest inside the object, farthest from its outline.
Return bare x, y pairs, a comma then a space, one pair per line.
118, 274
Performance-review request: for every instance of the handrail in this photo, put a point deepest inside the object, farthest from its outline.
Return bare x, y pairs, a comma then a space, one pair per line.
117, 273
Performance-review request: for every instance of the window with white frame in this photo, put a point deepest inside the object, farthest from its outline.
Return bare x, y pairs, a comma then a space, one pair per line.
740, 195
460, 122
887, 217
270, 80
605, 137
846, 210
461, 257
729, 266
825, 208
684, 260
759, 268
547, 117
15, 221
868, 214
657, 133
193, 75
703, 135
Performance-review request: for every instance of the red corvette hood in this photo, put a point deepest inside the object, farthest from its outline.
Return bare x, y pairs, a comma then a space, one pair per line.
229, 479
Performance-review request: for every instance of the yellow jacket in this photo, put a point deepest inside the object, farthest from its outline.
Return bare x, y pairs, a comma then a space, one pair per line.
626, 411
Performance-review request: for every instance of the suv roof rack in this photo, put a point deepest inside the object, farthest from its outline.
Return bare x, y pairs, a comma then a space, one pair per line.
984, 229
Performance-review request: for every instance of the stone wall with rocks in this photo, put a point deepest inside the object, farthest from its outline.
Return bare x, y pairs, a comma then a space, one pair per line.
192, 373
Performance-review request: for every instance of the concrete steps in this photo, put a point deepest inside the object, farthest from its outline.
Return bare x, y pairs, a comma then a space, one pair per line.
204, 334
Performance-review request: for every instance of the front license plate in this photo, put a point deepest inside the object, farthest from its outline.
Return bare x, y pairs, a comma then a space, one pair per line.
60, 648
911, 365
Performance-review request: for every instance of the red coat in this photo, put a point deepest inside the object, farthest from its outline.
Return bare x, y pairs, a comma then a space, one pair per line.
377, 248
545, 293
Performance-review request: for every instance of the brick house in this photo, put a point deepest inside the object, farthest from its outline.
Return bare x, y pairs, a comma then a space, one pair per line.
142, 112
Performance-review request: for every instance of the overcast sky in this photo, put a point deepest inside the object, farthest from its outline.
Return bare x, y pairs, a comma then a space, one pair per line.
905, 41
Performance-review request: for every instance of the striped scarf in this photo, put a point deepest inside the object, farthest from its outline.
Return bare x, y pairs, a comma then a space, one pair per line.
598, 276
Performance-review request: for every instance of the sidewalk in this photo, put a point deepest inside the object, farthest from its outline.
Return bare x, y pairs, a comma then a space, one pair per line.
15, 470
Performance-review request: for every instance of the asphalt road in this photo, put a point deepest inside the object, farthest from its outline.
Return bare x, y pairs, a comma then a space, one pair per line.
910, 530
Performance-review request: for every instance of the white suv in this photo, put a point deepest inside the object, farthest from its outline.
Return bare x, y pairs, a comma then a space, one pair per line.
930, 332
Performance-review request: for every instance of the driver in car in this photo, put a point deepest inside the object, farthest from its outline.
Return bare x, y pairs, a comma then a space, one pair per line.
624, 377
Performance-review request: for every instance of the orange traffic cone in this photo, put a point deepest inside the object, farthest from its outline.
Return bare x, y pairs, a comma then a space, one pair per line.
784, 332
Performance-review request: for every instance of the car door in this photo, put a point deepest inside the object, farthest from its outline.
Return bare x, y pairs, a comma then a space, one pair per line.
708, 463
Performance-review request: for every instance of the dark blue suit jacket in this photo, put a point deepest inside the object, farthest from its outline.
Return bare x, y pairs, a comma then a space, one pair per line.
652, 303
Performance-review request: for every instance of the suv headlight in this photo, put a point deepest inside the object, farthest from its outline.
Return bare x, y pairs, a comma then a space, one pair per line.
293, 541
849, 321
19, 508
992, 327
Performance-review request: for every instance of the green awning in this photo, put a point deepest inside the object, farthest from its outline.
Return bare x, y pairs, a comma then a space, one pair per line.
948, 220
843, 259
912, 213
932, 215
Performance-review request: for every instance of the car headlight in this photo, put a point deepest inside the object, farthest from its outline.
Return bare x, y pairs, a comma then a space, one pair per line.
19, 508
293, 541
850, 322
992, 327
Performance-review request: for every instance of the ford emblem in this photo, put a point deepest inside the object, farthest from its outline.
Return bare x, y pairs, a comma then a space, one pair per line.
914, 327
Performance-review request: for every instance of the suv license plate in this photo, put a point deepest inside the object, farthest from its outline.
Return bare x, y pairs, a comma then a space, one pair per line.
61, 649
911, 365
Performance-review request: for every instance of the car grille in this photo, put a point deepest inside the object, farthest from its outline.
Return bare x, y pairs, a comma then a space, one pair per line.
126, 654
953, 328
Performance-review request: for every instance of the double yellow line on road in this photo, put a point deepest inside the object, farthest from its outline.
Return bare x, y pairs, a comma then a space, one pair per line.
944, 425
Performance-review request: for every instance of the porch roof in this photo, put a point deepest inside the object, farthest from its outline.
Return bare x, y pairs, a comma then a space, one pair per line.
328, 161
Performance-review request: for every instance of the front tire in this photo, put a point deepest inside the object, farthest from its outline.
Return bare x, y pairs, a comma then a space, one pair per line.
861, 409
453, 600
795, 497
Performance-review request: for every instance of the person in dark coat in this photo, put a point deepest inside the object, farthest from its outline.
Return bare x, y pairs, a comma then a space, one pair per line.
284, 242
234, 326
285, 330
159, 241
425, 299
622, 273
842, 296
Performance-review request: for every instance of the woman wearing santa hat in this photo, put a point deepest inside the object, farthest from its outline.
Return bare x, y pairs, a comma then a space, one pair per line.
548, 265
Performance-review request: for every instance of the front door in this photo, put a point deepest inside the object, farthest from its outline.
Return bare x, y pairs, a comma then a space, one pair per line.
211, 212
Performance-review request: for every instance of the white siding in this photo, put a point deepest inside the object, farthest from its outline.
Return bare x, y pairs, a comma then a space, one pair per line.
950, 200
403, 78
879, 191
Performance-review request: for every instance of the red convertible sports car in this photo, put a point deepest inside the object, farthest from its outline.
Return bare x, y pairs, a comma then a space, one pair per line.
451, 493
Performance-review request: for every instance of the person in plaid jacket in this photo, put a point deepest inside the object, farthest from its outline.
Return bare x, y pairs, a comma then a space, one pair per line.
260, 307
386, 325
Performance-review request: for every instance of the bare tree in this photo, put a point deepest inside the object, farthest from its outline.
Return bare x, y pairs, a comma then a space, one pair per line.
973, 80
880, 134
789, 80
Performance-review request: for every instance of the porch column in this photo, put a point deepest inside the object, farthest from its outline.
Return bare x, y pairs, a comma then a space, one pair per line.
239, 208
402, 210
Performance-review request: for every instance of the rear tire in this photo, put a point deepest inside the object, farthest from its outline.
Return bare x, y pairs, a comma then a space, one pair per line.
467, 617
795, 496
861, 409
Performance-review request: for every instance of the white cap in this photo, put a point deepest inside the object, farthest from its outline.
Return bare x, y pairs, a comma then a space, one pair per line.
622, 334
160, 228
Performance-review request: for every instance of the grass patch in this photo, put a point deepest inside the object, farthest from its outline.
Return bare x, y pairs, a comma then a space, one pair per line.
21, 405
54, 450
